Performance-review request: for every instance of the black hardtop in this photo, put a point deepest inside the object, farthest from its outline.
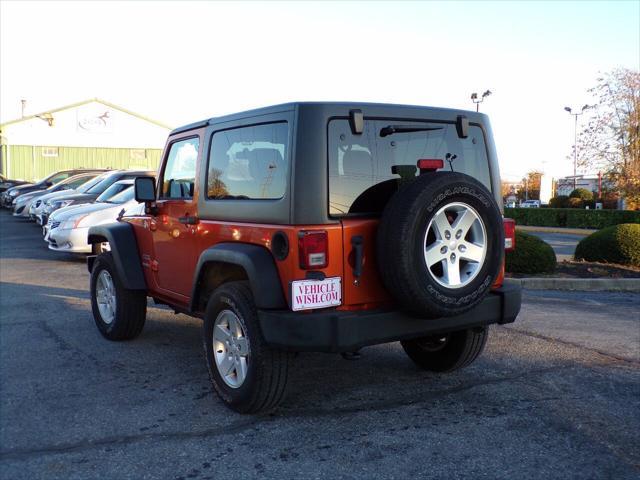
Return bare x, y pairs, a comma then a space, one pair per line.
306, 201
381, 110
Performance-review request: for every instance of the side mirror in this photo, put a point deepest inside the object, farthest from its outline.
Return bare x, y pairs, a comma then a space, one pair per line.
145, 189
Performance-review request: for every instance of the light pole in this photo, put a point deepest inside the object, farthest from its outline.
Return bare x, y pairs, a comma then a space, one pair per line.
575, 140
478, 101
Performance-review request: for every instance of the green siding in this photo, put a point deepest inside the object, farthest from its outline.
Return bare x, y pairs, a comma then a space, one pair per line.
27, 162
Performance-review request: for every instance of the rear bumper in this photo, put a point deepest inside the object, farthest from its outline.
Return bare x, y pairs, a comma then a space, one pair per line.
342, 331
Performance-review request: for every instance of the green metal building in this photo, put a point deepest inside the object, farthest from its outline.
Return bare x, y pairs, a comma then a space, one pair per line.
93, 133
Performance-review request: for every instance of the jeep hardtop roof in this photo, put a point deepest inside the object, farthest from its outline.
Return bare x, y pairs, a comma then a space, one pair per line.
370, 110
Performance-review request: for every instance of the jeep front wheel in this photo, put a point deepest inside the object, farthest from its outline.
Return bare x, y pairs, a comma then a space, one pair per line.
447, 352
248, 375
119, 313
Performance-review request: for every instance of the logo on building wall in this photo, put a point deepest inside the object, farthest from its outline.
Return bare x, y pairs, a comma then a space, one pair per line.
95, 119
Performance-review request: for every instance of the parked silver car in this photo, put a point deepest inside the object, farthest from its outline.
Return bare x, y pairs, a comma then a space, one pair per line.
68, 227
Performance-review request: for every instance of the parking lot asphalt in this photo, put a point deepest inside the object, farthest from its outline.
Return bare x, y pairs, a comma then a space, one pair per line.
563, 244
555, 395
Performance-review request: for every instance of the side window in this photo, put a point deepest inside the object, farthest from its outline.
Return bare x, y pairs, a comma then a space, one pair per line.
249, 163
58, 178
180, 170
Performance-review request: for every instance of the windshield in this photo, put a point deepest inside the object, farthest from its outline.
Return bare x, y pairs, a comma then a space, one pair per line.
360, 166
113, 190
125, 196
103, 184
90, 183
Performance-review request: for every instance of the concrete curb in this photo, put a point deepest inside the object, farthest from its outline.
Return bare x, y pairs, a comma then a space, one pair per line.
572, 231
582, 284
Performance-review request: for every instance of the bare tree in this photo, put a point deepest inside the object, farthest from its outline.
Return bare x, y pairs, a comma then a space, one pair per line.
610, 142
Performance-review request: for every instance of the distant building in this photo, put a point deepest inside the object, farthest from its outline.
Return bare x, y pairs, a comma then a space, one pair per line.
565, 185
92, 133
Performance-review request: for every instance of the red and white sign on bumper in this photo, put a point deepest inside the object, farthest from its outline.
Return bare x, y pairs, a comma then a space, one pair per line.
309, 294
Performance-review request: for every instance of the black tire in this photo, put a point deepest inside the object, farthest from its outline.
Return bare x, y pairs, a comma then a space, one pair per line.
446, 353
401, 244
265, 384
131, 305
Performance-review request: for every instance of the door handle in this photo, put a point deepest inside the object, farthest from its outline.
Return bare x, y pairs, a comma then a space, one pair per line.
189, 220
358, 249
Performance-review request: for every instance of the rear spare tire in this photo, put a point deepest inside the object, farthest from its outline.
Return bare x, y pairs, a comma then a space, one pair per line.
440, 244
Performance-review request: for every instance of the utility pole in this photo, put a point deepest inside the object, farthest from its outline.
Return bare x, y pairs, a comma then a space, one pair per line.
478, 101
575, 141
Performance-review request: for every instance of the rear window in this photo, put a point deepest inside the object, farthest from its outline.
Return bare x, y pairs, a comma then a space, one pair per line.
249, 163
360, 176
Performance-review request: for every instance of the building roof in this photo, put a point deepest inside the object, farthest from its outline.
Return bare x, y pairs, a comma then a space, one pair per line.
47, 113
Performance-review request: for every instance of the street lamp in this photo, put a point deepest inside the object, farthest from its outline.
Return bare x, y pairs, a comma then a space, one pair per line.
575, 140
478, 101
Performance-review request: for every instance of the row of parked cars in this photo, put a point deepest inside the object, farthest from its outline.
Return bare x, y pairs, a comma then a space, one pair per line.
67, 203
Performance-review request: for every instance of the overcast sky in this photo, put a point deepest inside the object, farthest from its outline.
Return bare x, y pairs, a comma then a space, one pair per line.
180, 62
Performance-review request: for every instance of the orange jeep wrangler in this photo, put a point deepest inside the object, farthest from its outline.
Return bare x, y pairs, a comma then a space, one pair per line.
315, 227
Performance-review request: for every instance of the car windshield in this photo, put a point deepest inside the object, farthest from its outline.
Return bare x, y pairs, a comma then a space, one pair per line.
125, 196
360, 166
112, 191
103, 184
90, 183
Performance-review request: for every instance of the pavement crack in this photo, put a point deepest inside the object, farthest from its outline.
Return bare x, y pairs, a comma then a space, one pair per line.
566, 343
425, 399
84, 445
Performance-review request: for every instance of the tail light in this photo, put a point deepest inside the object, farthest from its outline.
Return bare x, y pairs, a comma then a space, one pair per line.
313, 248
509, 234
430, 164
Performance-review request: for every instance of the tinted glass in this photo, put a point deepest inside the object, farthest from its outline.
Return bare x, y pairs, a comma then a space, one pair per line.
180, 170
113, 190
357, 163
249, 163
75, 182
125, 196
90, 183
58, 177
103, 184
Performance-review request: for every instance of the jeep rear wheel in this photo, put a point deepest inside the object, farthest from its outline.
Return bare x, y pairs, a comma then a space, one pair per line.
440, 244
448, 352
248, 375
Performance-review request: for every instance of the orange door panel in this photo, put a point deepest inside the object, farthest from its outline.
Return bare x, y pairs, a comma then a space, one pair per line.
176, 247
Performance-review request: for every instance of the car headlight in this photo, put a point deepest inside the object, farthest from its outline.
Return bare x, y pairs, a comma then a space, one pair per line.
13, 193
73, 222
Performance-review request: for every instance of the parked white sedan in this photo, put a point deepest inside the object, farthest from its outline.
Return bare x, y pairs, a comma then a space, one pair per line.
67, 229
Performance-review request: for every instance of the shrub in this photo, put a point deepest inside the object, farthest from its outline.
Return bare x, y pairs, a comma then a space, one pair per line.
582, 194
532, 255
561, 201
617, 244
571, 217
575, 202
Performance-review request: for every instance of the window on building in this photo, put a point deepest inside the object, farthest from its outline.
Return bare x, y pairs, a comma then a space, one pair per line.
249, 163
137, 154
49, 151
179, 174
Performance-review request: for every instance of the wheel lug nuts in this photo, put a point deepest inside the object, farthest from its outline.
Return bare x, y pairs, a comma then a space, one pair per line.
462, 248
447, 234
458, 234
443, 250
453, 257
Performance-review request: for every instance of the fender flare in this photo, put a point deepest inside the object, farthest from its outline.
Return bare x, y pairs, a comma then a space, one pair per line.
256, 261
124, 250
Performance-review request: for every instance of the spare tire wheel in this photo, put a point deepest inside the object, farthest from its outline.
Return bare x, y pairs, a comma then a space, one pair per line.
440, 244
